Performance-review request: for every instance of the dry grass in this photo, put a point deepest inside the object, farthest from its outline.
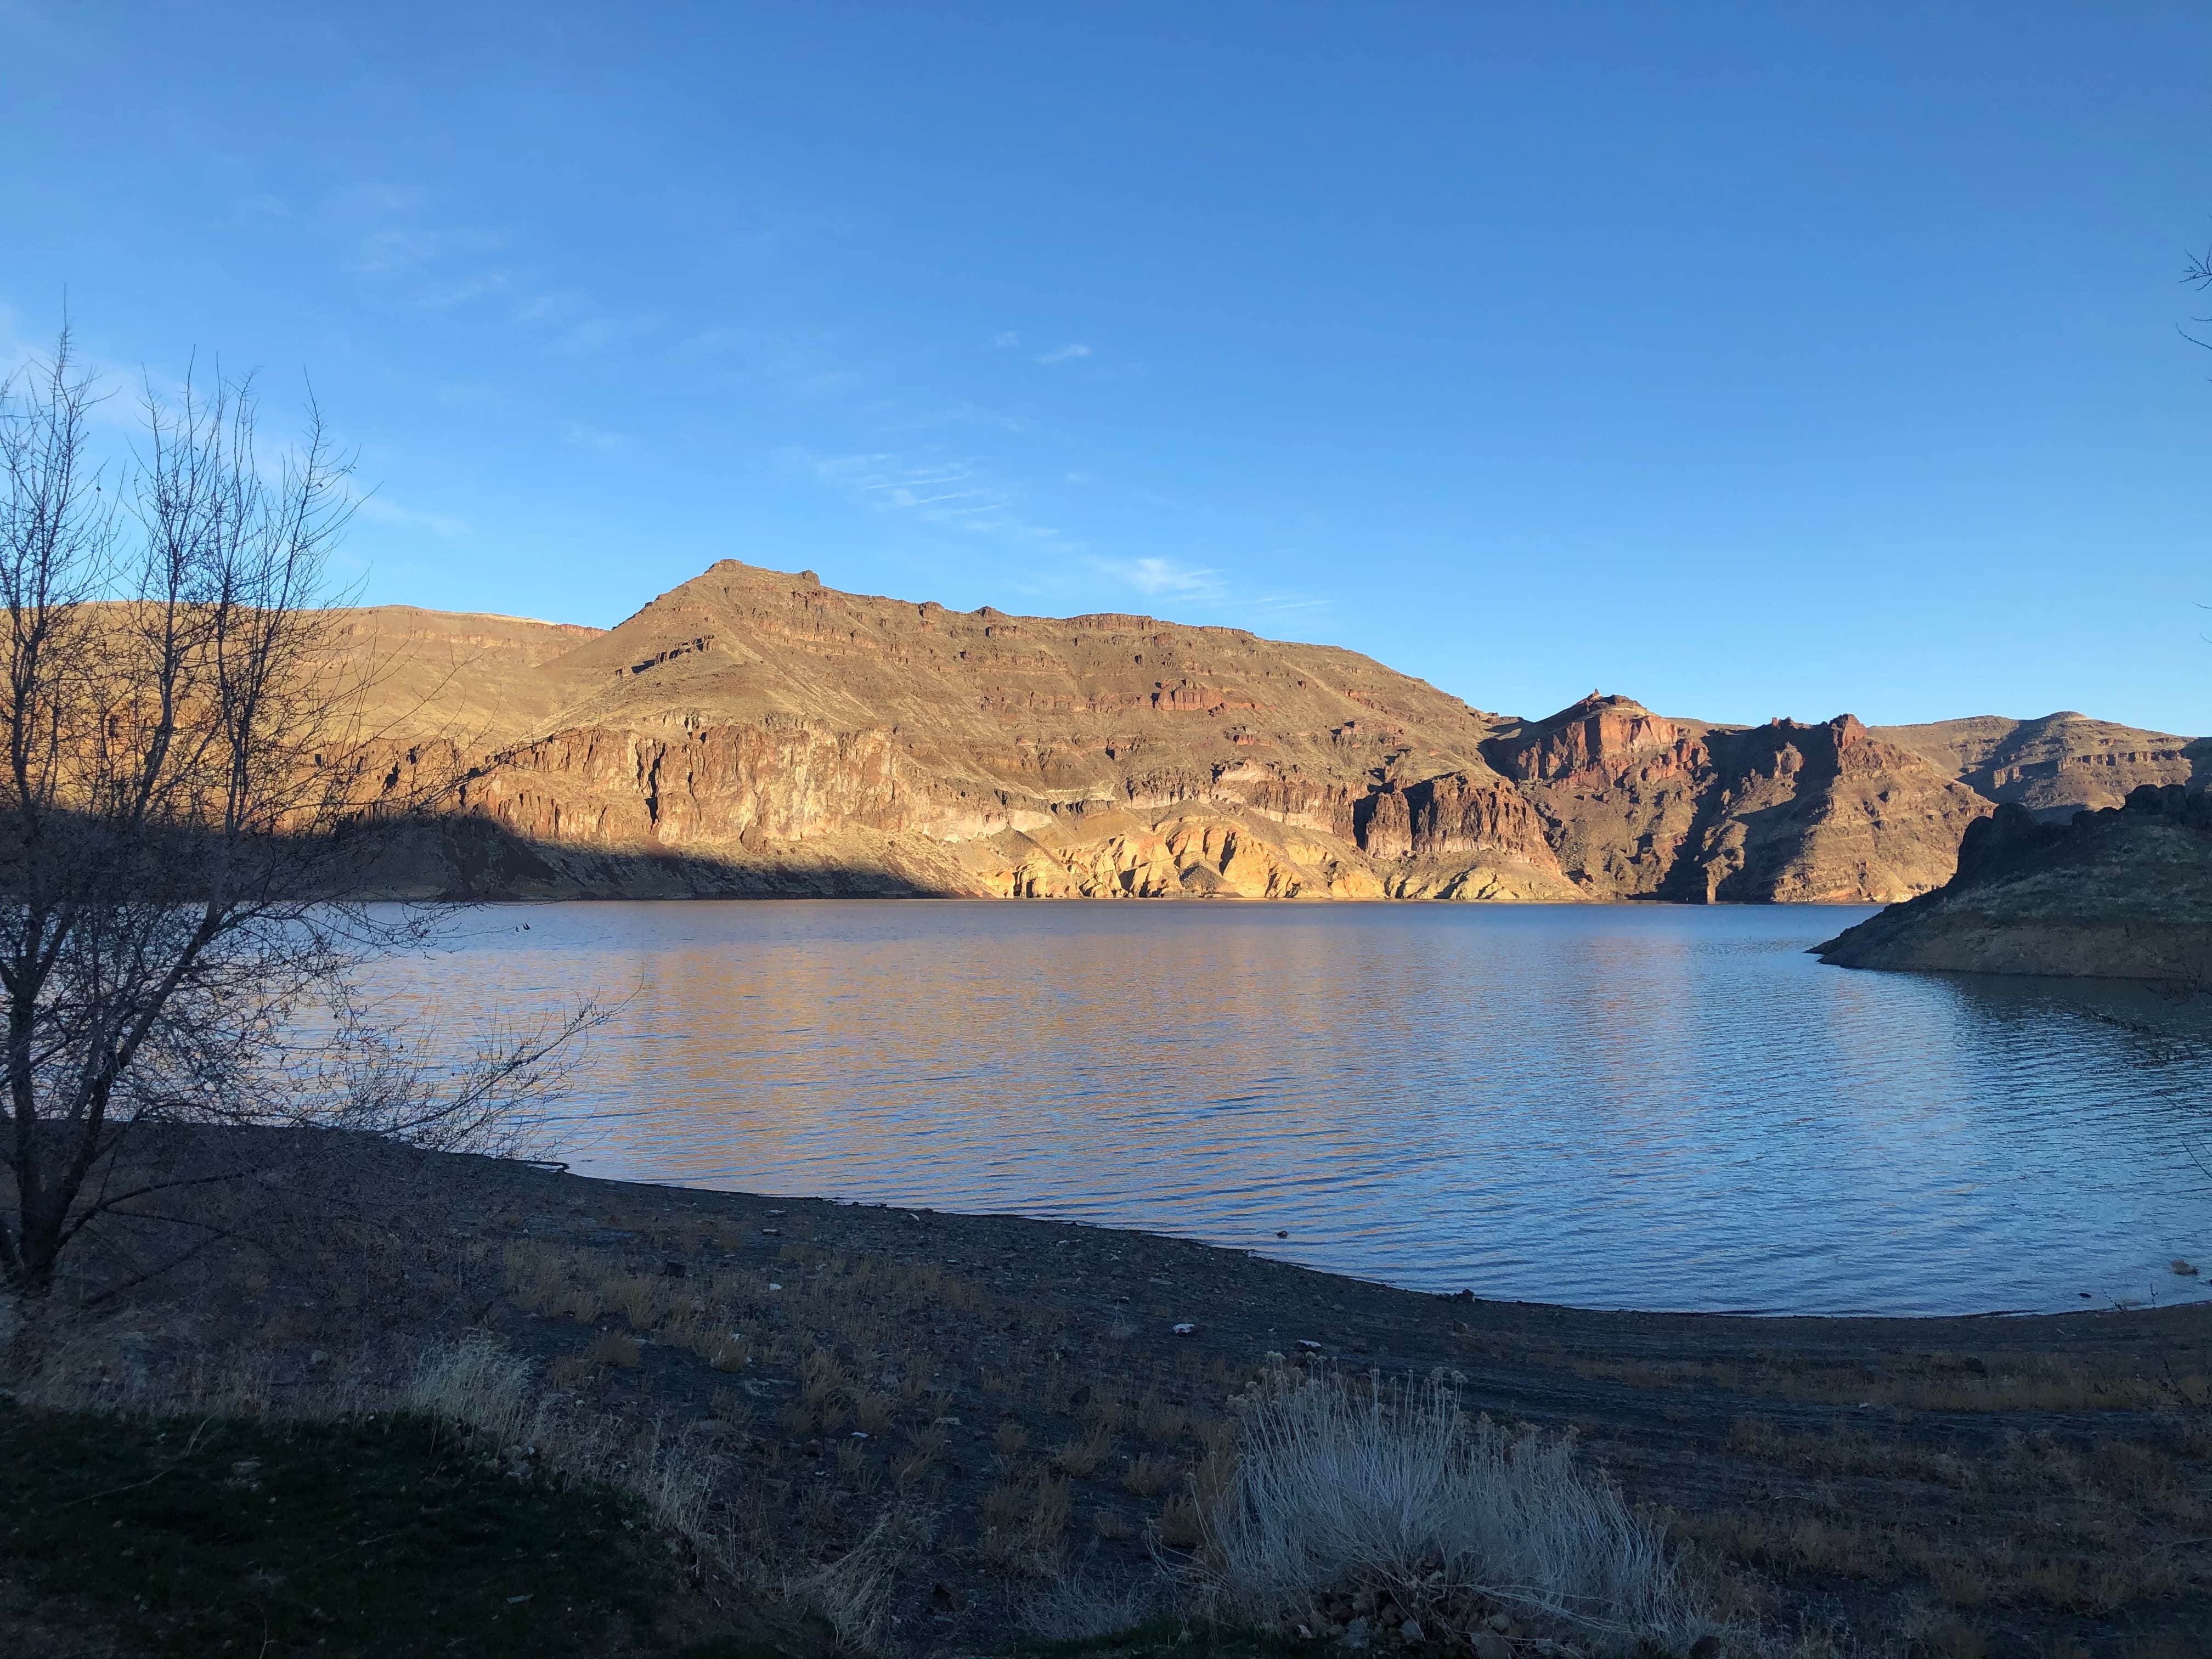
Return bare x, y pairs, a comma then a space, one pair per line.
1081, 1458
1149, 1476
2059, 1527
613, 1348
1395, 1489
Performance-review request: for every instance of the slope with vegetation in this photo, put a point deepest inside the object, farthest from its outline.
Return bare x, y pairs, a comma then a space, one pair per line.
919, 1433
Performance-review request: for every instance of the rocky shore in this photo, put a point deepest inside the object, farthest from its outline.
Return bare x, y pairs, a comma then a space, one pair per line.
2124, 893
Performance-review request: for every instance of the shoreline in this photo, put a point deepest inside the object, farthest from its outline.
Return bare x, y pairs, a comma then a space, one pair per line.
2201, 1285
1898, 1473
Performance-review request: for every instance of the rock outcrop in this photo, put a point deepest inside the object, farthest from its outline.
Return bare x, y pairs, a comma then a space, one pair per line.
1640, 805
762, 724
2121, 893
754, 732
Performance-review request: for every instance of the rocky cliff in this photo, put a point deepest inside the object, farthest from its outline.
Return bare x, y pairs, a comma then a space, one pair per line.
1640, 805
754, 732
2121, 893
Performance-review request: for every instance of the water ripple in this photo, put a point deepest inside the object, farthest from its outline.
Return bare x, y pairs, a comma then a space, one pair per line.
1620, 1106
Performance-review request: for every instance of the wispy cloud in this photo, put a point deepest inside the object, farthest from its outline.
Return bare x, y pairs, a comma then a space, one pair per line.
590, 437
408, 250
1065, 354
1154, 576
953, 492
1005, 337
378, 509
722, 338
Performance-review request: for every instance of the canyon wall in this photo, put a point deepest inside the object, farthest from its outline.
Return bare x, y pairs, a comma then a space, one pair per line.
754, 732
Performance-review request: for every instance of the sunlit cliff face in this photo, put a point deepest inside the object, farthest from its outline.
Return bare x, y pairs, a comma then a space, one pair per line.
762, 725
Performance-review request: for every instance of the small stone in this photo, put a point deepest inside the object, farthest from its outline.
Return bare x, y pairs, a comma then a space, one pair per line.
1280, 1234
1308, 1346
1500, 1622
1186, 1329
1412, 1631
1489, 1644
1355, 1634
2184, 1269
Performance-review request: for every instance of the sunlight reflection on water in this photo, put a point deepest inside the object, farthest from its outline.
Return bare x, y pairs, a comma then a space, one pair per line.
1619, 1106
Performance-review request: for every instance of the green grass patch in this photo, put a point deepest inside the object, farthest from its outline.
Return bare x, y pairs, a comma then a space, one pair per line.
372, 1538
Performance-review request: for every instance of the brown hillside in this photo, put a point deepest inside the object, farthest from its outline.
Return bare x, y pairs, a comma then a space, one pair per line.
763, 724
2054, 766
1640, 805
754, 732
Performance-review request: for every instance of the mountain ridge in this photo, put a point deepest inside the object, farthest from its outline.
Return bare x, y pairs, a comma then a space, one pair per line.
773, 734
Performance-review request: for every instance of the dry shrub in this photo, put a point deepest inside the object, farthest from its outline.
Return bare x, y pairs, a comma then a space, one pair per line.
1827, 1548
823, 1377
536, 1277
732, 1352
1048, 1514
853, 1461
1081, 1606
477, 1383
1161, 1423
613, 1348
1011, 1438
1149, 1476
1181, 1524
1081, 1458
855, 1592
584, 1304
1394, 1486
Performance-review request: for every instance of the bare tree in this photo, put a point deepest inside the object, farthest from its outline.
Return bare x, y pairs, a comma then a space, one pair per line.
192, 800
2197, 272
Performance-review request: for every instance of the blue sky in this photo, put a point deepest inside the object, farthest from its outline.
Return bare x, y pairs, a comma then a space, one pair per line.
1747, 360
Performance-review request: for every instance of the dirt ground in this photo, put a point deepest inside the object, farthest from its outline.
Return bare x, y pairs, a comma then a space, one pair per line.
992, 1405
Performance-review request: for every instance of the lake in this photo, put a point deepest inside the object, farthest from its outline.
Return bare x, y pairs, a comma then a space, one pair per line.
1626, 1106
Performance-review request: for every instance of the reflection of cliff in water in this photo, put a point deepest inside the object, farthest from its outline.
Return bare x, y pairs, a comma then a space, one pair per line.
1626, 1106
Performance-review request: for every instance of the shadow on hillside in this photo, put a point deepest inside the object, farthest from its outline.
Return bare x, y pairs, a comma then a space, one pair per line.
470, 858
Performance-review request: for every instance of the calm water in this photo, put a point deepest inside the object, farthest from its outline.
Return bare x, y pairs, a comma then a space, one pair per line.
1634, 1106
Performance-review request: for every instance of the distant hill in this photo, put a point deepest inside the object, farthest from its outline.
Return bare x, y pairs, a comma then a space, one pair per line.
2056, 765
753, 731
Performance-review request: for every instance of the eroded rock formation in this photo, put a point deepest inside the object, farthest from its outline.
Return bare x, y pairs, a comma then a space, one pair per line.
753, 731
